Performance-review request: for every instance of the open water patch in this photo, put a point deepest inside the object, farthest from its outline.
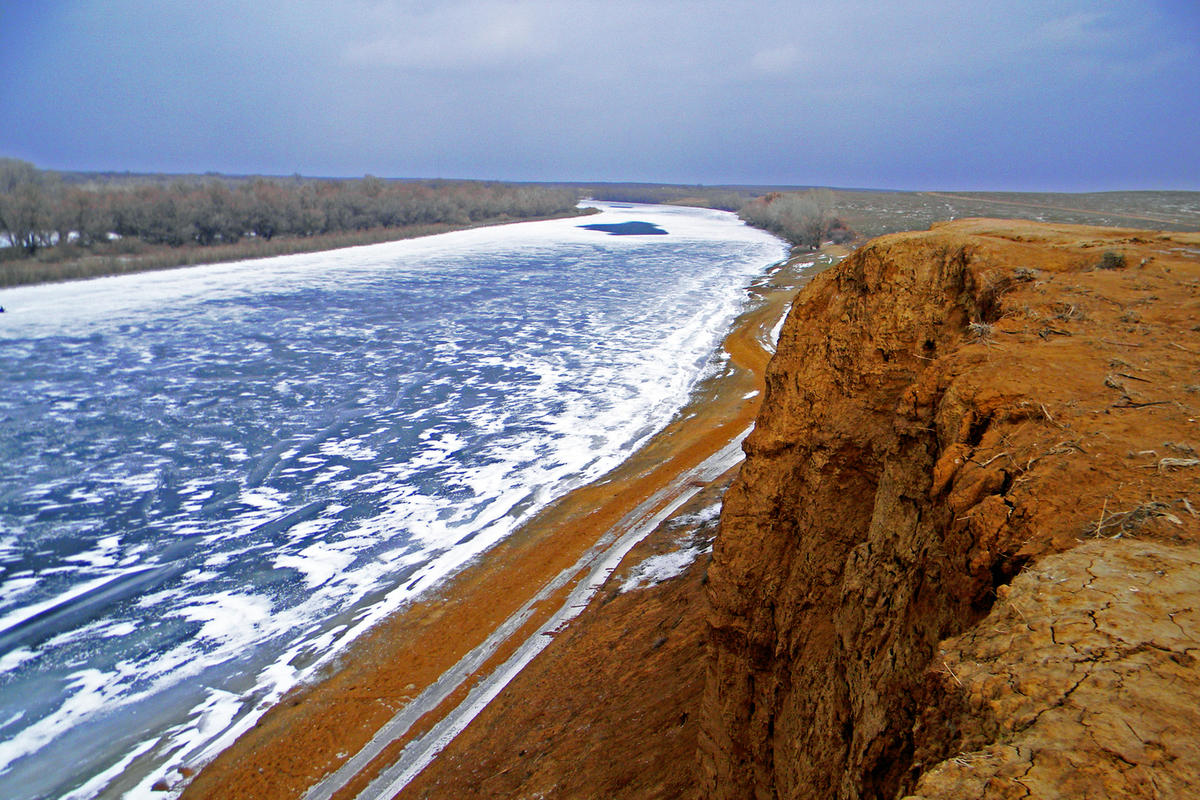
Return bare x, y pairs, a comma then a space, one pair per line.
632, 228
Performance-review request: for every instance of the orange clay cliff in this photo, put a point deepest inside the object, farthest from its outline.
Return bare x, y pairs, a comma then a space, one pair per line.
962, 558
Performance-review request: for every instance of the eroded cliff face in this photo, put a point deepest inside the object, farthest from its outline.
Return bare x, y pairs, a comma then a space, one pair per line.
948, 409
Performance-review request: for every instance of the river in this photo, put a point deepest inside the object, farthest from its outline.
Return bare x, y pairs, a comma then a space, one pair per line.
216, 478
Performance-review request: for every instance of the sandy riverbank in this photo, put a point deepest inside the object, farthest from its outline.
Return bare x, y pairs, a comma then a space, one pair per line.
393, 673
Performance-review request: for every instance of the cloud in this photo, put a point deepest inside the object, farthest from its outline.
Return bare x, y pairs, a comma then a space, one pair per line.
1075, 29
775, 60
456, 37
841, 91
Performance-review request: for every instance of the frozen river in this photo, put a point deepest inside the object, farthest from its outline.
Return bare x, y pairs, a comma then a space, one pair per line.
216, 478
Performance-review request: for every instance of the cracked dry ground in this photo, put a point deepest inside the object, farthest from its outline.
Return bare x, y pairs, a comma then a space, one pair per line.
1083, 680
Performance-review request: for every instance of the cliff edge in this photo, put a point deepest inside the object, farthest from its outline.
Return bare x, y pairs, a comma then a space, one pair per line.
962, 557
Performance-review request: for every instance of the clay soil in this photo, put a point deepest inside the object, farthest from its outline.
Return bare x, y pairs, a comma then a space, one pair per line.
959, 559
608, 710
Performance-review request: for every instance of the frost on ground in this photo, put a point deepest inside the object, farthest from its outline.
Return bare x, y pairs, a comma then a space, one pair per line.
664, 566
702, 519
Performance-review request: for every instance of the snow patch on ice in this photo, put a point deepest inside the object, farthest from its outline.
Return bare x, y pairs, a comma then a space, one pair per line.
227, 617
318, 562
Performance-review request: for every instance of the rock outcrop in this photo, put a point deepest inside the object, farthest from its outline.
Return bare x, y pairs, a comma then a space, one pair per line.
961, 556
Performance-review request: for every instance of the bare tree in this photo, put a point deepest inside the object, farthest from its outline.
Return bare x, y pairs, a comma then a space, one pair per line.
24, 210
802, 218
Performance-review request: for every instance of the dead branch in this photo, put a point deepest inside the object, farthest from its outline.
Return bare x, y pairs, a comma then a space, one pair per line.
1170, 463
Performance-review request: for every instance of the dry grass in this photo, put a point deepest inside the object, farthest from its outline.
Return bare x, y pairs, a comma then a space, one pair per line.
1128, 523
980, 332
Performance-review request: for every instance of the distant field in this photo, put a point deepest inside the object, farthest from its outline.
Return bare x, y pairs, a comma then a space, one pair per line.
872, 213
876, 213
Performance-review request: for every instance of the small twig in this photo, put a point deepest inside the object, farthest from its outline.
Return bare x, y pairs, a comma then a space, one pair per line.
950, 672
993, 458
1131, 521
1047, 413
1167, 463
1100, 524
1135, 378
1127, 402
1188, 506
1181, 347
1121, 344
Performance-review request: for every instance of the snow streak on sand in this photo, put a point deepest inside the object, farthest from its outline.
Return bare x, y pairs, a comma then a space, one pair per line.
216, 478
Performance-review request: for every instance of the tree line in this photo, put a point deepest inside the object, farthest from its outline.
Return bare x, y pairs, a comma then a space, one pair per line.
46, 215
40, 209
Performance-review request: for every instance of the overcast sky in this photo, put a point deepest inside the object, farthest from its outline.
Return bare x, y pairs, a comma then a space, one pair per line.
938, 94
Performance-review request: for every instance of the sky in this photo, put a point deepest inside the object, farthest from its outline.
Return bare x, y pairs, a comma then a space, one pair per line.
1035, 95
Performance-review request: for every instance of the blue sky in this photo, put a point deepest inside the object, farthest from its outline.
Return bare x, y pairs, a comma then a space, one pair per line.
1069, 95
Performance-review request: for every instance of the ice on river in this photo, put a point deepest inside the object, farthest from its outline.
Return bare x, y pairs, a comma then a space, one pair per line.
217, 477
